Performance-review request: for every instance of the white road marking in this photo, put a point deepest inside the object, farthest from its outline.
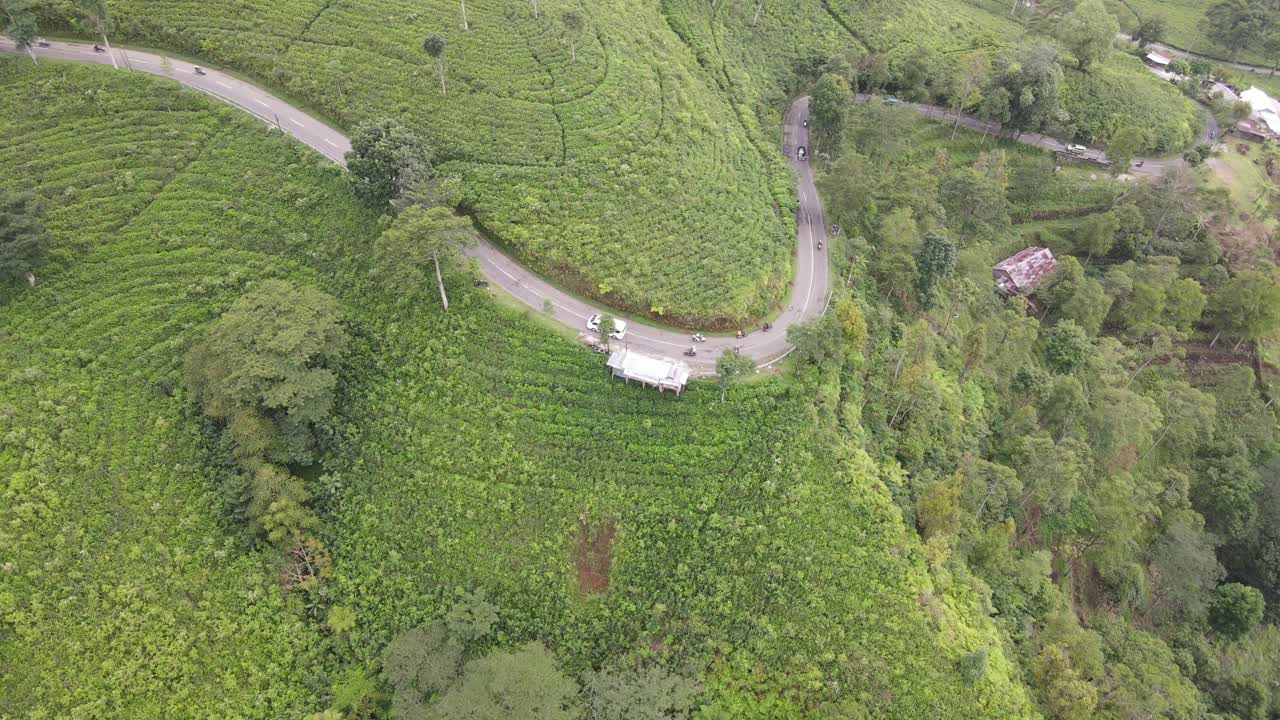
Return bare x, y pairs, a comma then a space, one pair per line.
812, 264
531, 286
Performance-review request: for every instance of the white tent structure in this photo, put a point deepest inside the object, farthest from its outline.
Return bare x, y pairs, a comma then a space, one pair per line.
1266, 109
662, 373
1156, 59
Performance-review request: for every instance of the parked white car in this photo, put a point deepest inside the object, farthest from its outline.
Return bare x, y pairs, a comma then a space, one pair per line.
619, 326
1077, 149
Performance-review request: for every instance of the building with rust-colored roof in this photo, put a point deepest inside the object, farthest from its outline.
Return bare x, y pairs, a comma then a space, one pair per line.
1251, 129
1025, 271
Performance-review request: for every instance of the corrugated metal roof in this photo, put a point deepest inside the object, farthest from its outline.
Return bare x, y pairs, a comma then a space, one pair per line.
662, 372
1253, 127
1025, 270
1157, 58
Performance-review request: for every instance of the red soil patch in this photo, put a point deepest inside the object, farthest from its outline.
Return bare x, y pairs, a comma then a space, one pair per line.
593, 556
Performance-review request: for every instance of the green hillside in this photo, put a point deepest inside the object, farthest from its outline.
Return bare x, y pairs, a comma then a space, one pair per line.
254, 465
637, 167
623, 172
1185, 20
752, 544
119, 570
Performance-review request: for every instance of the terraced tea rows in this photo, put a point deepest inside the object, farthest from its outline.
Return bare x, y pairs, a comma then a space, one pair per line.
587, 167
468, 449
733, 521
118, 571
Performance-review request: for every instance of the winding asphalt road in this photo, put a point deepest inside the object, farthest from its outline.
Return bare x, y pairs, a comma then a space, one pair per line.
1171, 51
810, 291
1150, 166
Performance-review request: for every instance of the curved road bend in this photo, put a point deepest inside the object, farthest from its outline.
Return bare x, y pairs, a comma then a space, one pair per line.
1150, 166
1171, 51
810, 289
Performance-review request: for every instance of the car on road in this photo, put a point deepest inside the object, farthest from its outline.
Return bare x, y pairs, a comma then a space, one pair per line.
619, 326
1077, 149
804, 122
801, 153
890, 100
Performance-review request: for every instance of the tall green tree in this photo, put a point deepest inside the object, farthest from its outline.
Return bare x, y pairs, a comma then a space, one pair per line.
1090, 32
935, 262
1030, 75
1184, 572
1249, 304
1235, 609
573, 24
386, 161
1150, 29
1238, 24
20, 23
98, 17
277, 506
417, 236
977, 209
650, 693
730, 366
829, 107
1132, 236
24, 244
818, 341
433, 45
995, 107
964, 89
1096, 234
523, 684
472, 617
1065, 694
268, 368
1124, 147
1066, 346
418, 665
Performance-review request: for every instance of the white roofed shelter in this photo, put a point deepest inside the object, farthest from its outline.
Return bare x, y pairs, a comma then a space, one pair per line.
1266, 109
1156, 59
662, 373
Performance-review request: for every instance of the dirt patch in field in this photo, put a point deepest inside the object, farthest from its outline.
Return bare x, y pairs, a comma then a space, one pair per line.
593, 556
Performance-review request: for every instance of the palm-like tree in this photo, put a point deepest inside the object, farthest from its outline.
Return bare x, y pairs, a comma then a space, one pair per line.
572, 22
434, 45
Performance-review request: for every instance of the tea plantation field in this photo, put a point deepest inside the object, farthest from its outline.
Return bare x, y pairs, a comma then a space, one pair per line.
122, 594
470, 449
623, 171
1185, 19
635, 161
926, 37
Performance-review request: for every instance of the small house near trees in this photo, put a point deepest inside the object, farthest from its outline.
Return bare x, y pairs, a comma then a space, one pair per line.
1024, 271
1251, 129
1156, 60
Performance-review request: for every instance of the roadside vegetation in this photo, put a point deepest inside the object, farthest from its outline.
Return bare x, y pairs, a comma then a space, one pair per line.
640, 169
192, 534
1099, 468
610, 163
1237, 30
266, 451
